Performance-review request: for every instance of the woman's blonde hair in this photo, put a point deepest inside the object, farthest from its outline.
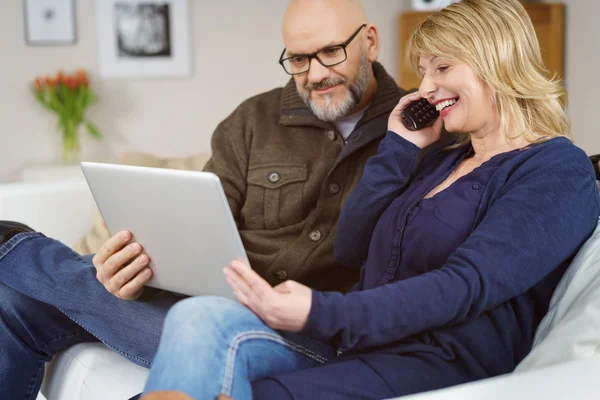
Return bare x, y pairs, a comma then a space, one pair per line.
496, 38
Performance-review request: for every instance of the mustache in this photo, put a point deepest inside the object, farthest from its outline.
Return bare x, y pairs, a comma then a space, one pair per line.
325, 83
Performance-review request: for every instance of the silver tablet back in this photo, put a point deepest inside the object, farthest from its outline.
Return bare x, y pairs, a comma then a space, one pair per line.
181, 218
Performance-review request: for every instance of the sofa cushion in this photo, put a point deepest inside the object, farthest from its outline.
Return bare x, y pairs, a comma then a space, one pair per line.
571, 328
90, 371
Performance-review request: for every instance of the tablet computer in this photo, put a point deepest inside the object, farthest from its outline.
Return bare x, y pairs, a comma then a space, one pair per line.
181, 219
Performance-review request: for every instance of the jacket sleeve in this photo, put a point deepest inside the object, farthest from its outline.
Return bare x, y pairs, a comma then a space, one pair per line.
230, 149
385, 175
538, 222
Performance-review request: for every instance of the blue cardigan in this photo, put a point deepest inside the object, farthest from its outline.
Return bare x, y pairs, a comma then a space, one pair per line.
536, 211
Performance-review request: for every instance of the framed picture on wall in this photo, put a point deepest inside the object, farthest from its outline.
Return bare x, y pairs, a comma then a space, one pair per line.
143, 38
49, 22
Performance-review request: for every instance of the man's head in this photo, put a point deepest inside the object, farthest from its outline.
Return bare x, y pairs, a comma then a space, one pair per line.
595, 159
318, 26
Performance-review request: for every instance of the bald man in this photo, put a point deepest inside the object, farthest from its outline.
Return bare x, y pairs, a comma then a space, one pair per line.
287, 158
595, 159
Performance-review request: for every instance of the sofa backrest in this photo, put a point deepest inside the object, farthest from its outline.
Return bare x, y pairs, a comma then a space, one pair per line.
571, 328
60, 209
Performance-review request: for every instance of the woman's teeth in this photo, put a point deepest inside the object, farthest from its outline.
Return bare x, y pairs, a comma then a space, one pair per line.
444, 104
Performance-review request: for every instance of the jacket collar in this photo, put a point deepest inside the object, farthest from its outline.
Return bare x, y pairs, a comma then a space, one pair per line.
294, 112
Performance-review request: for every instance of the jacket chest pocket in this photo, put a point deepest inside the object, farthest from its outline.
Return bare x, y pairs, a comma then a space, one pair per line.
274, 196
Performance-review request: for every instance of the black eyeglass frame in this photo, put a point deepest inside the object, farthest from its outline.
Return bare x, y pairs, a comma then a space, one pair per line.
315, 56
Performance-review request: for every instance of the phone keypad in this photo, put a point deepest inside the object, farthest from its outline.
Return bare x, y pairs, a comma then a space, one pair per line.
418, 114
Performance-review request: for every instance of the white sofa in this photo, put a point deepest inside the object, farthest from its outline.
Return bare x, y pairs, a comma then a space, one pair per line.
63, 210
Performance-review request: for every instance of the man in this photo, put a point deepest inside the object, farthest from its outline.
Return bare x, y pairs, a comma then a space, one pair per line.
595, 159
287, 159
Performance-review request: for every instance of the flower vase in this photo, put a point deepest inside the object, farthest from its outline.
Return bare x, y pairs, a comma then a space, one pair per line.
71, 150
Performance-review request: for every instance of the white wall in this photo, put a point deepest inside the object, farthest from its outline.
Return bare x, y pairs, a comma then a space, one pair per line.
235, 44
176, 117
582, 70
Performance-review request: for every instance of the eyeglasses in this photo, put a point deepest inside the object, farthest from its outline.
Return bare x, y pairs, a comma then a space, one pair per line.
327, 57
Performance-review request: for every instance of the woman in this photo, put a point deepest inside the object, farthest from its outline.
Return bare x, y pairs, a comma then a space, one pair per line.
460, 250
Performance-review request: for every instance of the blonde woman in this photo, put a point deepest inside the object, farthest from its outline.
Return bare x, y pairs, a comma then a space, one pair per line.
459, 251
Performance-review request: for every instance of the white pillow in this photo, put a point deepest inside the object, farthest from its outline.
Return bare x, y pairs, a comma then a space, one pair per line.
571, 329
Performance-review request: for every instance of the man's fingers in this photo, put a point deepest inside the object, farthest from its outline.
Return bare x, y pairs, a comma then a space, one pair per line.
133, 289
236, 291
128, 272
114, 264
238, 284
255, 281
285, 287
111, 246
251, 289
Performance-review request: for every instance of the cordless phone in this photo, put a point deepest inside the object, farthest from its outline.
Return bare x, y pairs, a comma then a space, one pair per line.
418, 114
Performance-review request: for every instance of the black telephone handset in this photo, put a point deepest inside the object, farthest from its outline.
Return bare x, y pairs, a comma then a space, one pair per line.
418, 114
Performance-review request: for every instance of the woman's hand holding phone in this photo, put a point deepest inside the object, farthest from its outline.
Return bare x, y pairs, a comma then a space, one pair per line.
421, 138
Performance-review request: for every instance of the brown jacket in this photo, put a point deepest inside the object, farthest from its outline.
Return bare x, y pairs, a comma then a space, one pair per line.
287, 175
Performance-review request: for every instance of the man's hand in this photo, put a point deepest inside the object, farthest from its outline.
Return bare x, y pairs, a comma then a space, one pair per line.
122, 269
421, 138
285, 307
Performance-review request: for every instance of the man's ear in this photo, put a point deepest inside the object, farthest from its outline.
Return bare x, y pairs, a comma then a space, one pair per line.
595, 159
372, 41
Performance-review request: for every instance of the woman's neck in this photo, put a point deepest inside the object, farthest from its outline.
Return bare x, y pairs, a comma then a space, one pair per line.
487, 144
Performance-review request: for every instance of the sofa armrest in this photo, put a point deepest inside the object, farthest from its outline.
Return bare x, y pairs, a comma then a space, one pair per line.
59, 209
571, 380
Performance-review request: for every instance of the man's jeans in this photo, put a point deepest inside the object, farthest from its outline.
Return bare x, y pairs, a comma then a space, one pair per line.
213, 345
50, 299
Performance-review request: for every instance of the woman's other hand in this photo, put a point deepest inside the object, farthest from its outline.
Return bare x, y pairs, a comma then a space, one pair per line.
421, 138
284, 307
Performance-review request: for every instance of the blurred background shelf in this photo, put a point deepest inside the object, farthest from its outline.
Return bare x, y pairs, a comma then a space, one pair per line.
548, 21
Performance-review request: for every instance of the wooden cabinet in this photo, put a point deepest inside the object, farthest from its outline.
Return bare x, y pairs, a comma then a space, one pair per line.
548, 21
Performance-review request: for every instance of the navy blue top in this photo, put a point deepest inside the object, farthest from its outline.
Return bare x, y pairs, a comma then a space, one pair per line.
461, 279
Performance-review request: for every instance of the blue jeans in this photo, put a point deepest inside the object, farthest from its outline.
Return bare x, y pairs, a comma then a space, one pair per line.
213, 345
50, 299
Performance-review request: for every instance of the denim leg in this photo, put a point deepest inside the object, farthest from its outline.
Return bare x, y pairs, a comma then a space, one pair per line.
49, 272
31, 332
213, 345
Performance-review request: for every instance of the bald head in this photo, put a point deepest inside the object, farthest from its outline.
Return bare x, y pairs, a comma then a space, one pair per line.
332, 29
307, 16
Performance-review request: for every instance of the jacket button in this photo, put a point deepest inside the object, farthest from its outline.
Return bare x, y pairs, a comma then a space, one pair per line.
273, 177
331, 135
281, 274
315, 235
475, 187
334, 188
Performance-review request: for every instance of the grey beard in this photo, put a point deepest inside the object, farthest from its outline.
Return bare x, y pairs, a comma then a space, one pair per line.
330, 112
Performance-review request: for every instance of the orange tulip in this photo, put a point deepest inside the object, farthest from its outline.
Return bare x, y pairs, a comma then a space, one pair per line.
49, 81
38, 84
71, 82
67, 102
82, 80
59, 77
81, 77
